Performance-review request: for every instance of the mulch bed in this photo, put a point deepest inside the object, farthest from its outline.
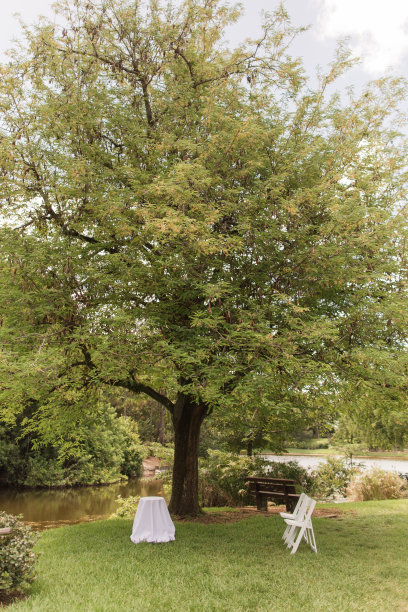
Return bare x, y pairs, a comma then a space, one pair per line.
239, 514
6, 599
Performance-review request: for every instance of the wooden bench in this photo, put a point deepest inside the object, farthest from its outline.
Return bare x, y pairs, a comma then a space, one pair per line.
279, 490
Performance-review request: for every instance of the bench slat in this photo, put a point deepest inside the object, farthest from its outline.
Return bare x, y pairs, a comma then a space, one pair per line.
282, 489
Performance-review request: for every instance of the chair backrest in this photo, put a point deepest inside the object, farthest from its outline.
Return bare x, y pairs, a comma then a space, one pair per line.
300, 504
307, 508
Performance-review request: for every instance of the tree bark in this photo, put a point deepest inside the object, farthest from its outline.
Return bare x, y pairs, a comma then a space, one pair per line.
187, 418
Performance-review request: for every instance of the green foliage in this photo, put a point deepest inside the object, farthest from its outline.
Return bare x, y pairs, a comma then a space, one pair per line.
378, 426
164, 454
45, 472
332, 477
101, 449
126, 506
195, 223
293, 470
166, 490
12, 461
153, 420
376, 484
132, 448
17, 558
222, 478
312, 444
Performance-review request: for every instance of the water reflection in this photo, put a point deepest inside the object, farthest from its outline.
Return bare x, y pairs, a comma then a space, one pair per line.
47, 507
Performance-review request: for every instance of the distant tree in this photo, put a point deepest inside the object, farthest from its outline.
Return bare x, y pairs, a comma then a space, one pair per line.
154, 423
186, 218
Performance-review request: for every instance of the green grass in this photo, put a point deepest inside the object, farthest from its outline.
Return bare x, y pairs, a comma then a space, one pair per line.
361, 566
311, 451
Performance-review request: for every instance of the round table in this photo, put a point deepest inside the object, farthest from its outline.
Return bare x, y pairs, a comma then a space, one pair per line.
152, 521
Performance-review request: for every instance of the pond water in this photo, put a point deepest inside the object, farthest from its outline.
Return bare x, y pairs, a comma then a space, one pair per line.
52, 507
312, 462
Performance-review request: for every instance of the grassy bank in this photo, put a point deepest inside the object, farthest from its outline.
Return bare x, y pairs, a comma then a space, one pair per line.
361, 566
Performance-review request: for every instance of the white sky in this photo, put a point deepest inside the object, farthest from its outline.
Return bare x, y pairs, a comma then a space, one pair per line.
378, 29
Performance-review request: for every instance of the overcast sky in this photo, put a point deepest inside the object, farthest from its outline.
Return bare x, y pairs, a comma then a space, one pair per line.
377, 30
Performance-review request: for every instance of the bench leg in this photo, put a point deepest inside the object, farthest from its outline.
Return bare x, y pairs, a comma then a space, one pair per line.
261, 502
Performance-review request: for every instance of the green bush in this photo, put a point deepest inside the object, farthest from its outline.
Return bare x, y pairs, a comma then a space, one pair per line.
12, 464
164, 454
222, 478
332, 477
133, 450
293, 470
16, 555
376, 484
43, 472
127, 506
99, 449
312, 443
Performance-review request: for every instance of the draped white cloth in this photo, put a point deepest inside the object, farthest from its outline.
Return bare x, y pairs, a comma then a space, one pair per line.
152, 521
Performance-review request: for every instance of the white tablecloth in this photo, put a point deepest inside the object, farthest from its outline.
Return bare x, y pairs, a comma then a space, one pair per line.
152, 521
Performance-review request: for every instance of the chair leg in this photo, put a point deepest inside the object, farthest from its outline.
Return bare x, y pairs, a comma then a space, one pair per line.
298, 540
294, 537
312, 542
291, 535
306, 533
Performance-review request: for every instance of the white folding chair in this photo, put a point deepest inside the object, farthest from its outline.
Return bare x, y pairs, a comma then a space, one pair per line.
293, 515
301, 526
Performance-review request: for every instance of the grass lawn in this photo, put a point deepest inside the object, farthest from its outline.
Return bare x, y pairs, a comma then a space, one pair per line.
362, 565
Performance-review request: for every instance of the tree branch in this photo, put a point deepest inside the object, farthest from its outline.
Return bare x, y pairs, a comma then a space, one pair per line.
132, 385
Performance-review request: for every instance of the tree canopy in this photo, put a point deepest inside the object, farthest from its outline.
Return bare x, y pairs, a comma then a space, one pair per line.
191, 222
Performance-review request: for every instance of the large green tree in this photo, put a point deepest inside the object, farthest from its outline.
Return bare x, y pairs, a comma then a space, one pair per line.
187, 218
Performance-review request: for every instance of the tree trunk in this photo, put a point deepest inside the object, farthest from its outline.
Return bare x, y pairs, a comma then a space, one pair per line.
249, 448
187, 418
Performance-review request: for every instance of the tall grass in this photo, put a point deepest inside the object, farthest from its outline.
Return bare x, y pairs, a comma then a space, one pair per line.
361, 566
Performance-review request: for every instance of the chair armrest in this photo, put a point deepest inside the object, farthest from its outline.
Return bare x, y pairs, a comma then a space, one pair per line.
294, 523
286, 515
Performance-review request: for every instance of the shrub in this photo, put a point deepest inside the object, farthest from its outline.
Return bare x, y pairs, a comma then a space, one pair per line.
100, 448
376, 484
291, 469
126, 506
16, 555
43, 472
222, 478
165, 454
312, 444
133, 450
332, 477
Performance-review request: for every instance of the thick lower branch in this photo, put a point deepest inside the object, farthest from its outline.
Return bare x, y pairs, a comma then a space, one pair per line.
137, 387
